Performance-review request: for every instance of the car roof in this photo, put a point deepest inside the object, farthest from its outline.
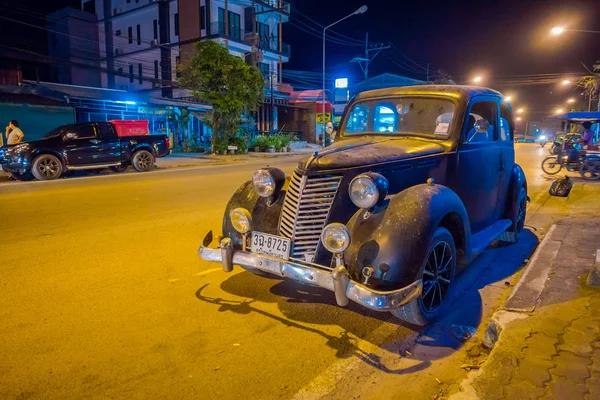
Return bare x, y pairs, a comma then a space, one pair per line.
452, 91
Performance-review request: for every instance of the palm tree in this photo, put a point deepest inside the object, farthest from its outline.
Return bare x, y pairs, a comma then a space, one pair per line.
591, 84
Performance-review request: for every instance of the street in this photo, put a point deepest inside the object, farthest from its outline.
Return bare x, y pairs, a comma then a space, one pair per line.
104, 296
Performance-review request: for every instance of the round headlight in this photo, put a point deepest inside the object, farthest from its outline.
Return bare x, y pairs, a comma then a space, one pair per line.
335, 238
366, 190
241, 220
264, 183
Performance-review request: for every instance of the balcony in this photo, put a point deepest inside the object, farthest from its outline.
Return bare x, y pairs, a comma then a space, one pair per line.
274, 4
217, 29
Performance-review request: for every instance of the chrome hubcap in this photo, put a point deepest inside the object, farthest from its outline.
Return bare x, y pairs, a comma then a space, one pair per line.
437, 276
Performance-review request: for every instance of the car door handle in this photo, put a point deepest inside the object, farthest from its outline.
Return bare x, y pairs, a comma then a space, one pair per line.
95, 141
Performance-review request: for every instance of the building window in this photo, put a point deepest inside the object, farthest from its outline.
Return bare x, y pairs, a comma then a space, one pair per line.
118, 32
139, 34
120, 70
155, 69
140, 80
131, 73
264, 70
155, 27
90, 6
202, 17
176, 23
235, 31
130, 34
263, 34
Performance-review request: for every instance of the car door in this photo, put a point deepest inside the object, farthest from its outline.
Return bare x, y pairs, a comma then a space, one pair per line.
111, 143
82, 145
507, 157
479, 163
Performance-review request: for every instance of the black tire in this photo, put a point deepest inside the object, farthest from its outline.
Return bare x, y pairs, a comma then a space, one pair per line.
550, 164
25, 177
47, 167
542, 144
142, 161
120, 168
590, 170
425, 309
517, 214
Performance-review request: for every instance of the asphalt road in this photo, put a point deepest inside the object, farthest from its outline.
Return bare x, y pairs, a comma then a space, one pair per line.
103, 296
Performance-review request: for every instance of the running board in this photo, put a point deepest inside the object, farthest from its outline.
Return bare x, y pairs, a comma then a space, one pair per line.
94, 166
481, 240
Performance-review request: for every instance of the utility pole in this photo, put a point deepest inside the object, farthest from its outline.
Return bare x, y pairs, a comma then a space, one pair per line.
368, 58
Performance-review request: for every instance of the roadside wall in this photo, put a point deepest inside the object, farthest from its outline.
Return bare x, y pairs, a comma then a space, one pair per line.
35, 120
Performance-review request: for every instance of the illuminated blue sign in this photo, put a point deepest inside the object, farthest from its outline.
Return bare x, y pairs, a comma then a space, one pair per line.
341, 83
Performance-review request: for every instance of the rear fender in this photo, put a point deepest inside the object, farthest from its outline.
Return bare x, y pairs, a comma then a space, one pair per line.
394, 238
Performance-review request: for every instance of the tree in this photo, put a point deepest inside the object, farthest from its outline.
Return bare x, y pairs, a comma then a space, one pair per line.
226, 82
443, 78
591, 84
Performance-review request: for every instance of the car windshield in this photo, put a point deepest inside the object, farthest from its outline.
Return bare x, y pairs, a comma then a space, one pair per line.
54, 132
410, 116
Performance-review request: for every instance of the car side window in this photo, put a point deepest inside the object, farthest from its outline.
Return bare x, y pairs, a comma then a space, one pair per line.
487, 110
81, 132
106, 130
358, 119
506, 123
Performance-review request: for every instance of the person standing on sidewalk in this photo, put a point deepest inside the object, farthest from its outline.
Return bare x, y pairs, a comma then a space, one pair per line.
14, 134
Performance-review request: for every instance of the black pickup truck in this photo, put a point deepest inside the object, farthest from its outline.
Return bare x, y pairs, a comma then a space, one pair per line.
90, 145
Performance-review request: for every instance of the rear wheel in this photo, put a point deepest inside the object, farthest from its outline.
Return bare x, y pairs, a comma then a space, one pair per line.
47, 167
142, 161
590, 170
118, 168
551, 165
438, 276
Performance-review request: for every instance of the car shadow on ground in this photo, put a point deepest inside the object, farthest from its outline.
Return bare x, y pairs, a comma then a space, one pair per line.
300, 305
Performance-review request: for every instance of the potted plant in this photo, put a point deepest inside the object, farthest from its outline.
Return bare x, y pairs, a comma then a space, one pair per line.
242, 144
284, 142
272, 142
259, 143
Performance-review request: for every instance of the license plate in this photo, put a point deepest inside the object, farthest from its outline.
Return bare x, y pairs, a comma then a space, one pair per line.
270, 245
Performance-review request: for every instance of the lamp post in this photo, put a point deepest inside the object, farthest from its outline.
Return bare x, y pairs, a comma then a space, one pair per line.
558, 30
361, 10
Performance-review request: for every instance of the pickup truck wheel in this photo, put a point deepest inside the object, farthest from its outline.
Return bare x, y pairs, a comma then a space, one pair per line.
27, 176
120, 168
47, 167
438, 276
142, 161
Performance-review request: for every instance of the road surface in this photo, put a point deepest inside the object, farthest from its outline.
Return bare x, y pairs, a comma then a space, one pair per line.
103, 296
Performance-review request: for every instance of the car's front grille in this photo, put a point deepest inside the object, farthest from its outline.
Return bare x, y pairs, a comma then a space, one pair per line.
305, 211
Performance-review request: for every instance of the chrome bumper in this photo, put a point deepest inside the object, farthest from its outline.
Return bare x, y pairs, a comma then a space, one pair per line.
337, 280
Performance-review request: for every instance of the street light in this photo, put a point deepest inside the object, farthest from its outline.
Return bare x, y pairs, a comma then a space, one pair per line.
571, 100
477, 79
520, 110
559, 111
518, 118
557, 30
508, 99
361, 10
566, 82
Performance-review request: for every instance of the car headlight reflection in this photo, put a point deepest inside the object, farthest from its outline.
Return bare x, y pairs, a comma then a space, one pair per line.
335, 238
241, 220
366, 190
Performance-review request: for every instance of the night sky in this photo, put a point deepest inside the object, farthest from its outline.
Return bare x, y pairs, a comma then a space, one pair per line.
501, 40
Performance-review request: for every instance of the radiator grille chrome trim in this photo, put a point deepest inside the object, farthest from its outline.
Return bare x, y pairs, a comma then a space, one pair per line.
305, 211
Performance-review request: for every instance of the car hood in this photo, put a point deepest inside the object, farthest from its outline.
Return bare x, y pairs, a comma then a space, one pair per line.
369, 150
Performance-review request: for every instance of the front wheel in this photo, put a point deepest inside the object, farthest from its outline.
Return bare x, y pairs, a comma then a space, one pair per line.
438, 276
543, 144
551, 165
24, 177
142, 161
590, 170
47, 167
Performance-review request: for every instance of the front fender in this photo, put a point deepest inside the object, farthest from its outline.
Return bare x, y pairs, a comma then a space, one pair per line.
517, 181
394, 238
265, 214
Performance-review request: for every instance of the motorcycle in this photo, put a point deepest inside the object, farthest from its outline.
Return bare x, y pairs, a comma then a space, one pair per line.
543, 140
574, 160
568, 140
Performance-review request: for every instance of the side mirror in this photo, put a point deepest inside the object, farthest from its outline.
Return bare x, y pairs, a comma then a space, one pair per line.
71, 135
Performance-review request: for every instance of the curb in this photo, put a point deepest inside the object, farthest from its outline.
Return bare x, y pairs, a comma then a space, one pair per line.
526, 293
593, 279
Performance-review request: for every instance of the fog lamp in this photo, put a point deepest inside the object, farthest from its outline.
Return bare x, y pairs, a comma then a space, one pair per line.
241, 220
335, 238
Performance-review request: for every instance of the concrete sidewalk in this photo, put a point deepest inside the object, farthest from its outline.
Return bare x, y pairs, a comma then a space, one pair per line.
195, 159
551, 347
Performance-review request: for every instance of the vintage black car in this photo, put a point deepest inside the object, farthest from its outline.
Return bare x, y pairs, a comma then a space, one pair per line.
90, 145
419, 181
